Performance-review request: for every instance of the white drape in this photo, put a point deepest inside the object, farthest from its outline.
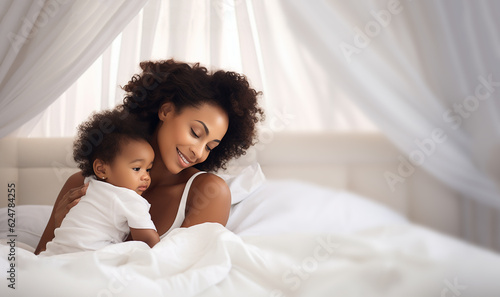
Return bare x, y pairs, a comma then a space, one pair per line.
219, 34
46, 45
425, 72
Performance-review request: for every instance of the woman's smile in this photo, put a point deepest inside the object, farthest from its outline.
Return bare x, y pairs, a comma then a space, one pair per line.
183, 160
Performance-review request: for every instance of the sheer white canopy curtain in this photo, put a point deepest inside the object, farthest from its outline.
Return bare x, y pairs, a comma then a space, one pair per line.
223, 34
427, 73
46, 45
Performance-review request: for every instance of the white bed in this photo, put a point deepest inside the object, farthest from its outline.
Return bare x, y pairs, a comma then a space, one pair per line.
285, 237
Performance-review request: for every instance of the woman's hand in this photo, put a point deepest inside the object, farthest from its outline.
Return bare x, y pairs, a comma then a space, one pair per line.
70, 199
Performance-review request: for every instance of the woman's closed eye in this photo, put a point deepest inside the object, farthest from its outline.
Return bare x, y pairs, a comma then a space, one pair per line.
194, 133
198, 136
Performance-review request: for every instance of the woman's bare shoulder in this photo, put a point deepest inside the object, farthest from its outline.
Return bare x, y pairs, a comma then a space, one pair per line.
209, 200
210, 184
75, 180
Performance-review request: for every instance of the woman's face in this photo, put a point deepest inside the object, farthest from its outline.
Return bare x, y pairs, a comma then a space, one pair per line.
186, 138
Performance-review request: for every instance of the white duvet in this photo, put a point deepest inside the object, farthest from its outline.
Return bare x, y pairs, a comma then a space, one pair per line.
253, 256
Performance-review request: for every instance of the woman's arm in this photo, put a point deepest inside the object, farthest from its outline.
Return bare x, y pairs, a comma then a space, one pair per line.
148, 236
209, 200
68, 197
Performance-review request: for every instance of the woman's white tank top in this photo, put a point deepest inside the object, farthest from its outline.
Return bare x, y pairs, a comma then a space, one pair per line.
181, 212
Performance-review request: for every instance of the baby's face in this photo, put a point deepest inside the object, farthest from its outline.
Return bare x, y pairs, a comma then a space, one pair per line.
130, 169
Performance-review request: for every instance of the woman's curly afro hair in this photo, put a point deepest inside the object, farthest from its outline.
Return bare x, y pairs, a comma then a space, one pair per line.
103, 135
188, 85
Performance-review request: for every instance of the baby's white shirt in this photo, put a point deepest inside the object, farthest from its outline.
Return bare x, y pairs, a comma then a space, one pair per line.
103, 216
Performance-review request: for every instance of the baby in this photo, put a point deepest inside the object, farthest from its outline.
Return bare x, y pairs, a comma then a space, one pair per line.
115, 158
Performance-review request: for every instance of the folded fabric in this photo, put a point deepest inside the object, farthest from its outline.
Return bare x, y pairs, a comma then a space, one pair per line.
209, 260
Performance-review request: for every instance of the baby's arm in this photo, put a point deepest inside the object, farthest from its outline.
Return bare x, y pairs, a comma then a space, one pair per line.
149, 236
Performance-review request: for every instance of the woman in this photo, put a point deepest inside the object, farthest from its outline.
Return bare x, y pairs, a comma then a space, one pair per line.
198, 121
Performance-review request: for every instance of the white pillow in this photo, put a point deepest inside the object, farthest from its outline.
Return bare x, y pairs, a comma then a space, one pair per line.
30, 222
242, 180
293, 206
243, 176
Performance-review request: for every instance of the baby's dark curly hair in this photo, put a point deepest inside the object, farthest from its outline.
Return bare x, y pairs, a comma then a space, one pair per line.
103, 135
188, 85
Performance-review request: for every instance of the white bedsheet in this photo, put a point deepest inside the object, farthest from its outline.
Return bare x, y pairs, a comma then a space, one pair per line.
209, 260
285, 239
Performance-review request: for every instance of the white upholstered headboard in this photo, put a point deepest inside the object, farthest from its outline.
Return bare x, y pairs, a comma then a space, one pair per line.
353, 162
